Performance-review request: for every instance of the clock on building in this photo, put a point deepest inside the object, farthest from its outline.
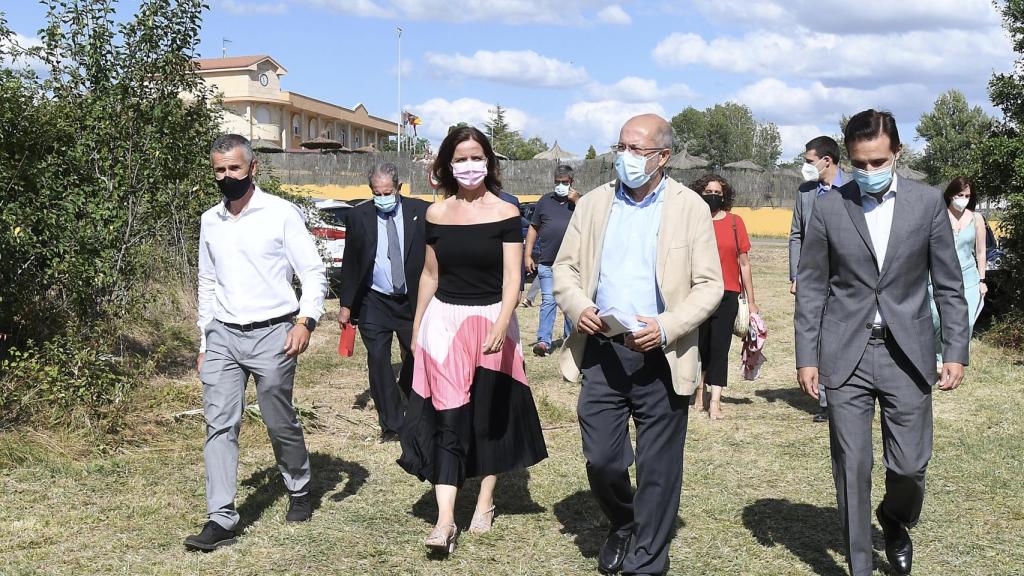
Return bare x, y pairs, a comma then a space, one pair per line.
264, 80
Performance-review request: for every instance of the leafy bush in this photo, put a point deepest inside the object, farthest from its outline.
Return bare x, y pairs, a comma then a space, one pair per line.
104, 171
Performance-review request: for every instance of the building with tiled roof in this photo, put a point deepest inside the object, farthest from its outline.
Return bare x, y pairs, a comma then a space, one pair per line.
258, 109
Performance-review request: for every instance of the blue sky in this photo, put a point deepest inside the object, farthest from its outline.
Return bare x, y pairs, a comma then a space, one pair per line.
574, 70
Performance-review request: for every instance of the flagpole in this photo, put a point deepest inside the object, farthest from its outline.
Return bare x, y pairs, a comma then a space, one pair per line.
401, 123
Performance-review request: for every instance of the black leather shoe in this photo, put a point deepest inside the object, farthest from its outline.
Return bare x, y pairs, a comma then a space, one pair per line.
300, 509
389, 436
899, 549
212, 537
820, 417
613, 552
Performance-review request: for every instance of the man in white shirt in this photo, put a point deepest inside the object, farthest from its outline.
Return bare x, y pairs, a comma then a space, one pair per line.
250, 246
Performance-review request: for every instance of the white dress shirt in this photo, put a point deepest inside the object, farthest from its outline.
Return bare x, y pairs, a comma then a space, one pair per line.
246, 264
879, 218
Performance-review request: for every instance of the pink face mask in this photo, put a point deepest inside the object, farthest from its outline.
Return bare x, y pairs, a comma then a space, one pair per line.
470, 173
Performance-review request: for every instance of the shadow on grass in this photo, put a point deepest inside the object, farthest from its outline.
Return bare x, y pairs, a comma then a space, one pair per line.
327, 471
794, 396
809, 532
728, 400
511, 496
581, 516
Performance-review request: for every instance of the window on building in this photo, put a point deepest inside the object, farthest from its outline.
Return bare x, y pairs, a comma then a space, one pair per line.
262, 115
296, 125
312, 128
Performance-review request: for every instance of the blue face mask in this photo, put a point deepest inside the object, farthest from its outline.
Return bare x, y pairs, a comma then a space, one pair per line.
562, 190
874, 181
386, 203
632, 169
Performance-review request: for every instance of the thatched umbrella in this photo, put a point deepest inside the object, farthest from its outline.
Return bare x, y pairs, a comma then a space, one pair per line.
744, 165
910, 173
260, 145
683, 161
368, 149
322, 143
555, 153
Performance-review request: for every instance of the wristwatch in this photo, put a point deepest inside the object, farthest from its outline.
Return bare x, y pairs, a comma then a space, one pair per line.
306, 321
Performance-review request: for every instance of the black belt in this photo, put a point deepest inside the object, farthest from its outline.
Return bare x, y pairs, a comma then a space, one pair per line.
879, 332
396, 297
262, 323
620, 338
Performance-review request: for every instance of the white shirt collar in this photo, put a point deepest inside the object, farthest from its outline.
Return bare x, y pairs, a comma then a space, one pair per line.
891, 193
255, 201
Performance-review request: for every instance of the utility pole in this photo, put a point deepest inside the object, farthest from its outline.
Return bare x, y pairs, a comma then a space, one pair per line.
401, 120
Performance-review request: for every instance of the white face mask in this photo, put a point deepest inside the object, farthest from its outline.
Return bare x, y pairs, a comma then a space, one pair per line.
961, 203
810, 172
562, 190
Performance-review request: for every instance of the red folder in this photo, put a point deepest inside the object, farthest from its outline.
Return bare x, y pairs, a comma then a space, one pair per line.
347, 342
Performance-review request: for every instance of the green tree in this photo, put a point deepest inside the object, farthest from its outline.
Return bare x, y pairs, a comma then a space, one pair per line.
509, 142
951, 130
105, 173
726, 133
591, 153
419, 147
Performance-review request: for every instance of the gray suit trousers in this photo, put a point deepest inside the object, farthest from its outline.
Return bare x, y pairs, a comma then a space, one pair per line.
883, 374
231, 356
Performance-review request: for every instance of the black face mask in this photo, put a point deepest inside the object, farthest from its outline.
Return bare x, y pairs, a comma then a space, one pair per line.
234, 188
714, 201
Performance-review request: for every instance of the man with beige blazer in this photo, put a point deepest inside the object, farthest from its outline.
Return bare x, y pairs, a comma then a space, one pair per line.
640, 256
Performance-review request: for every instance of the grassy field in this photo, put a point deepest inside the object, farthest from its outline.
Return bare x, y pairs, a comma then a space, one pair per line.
757, 492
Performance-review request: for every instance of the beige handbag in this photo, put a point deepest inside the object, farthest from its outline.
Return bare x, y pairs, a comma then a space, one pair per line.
740, 326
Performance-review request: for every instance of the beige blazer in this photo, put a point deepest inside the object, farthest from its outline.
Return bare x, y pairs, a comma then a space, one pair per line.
689, 275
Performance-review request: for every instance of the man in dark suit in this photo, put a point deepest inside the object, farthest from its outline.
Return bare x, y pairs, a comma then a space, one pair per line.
821, 173
864, 330
384, 249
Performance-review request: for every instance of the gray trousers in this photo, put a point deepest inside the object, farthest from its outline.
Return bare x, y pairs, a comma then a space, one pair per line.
886, 375
619, 383
231, 356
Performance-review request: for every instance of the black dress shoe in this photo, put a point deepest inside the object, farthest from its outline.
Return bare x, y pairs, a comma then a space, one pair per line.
212, 537
300, 509
389, 436
899, 549
613, 552
820, 417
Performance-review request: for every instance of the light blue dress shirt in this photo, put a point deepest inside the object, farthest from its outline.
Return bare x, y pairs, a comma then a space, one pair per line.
839, 181
381, 280
628, 279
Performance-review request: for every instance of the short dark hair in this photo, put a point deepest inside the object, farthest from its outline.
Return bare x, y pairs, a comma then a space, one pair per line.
871, 124
563, 170
958, 185
728, 194
443, 163
824, 146
227, 142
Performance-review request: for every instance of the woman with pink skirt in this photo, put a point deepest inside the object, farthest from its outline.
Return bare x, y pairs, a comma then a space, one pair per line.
471, 413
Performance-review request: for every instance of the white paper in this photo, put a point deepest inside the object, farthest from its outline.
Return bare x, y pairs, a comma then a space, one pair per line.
618, 322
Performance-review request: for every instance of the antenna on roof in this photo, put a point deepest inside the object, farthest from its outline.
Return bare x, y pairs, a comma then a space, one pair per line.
224, 47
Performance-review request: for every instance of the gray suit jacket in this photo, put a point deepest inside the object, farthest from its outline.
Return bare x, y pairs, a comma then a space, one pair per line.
801, 218
839, 287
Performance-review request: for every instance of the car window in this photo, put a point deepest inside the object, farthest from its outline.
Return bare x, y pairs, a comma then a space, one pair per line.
335, 216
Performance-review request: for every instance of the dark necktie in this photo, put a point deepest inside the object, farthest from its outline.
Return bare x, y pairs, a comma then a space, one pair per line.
395, 256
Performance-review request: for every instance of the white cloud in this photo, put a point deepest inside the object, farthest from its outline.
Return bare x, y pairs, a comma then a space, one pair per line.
364, 8
776, 101
877, 16
633, 89
438, 114
599, 122
614, 14
947, 55
525, 68
243, 8
795, 137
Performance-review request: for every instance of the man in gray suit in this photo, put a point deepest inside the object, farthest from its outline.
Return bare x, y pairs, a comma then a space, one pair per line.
863, 330
821, 173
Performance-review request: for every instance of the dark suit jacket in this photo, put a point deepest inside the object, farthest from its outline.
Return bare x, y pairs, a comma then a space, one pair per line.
801, 218
839, 287
361, 250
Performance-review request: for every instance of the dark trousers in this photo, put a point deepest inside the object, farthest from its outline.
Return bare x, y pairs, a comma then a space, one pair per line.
884, 374
619, 383
382, 317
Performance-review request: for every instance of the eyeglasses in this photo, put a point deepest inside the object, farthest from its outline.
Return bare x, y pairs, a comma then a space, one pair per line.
620, 148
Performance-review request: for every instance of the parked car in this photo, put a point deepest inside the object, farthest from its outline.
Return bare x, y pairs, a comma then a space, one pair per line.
328, 227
